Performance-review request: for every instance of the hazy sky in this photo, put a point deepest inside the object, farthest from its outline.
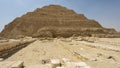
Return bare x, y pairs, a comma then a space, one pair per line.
106, 12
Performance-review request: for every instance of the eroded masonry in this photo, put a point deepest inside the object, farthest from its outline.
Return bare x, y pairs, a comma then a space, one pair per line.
55, 21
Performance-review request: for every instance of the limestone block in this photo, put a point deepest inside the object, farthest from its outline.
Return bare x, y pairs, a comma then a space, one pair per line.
6, 64
64, 60
76, 65
55, 63
1, 59
18, 64
46, 66
59, 67
49, 65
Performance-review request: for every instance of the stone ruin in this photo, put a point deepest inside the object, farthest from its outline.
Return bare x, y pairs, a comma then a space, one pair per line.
53, 21
66, 63
54, 63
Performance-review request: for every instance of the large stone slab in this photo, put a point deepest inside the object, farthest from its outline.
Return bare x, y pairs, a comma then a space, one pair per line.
18, 64
11, 64
76, 65
55, 63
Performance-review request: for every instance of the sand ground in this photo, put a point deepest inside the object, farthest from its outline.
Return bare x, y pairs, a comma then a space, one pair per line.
104, 53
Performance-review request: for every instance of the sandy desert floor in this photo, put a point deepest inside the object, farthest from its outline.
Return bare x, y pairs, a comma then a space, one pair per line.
103, 53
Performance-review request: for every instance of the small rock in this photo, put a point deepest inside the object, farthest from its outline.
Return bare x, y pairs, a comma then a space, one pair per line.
1, 59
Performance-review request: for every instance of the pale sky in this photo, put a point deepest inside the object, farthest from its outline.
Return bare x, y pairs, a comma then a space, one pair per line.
106, 12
